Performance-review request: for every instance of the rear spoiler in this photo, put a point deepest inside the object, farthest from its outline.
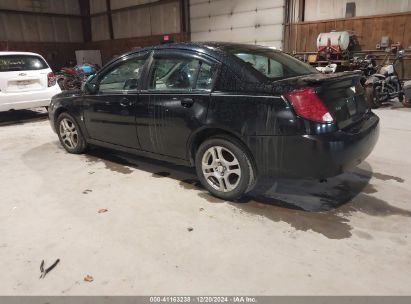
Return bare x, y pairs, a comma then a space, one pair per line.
319, 78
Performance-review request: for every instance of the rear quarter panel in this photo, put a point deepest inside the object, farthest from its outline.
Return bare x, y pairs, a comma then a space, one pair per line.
251, 115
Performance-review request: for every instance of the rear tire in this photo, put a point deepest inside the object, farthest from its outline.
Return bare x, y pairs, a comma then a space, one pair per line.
69, 134
225, 168
405, 101
372, 98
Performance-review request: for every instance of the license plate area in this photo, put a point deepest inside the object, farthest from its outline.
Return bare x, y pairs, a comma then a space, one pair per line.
351, 106
23, 84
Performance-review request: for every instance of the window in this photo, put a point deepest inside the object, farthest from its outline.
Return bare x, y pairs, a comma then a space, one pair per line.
205, 76
271, 63
123, 77
269, 67
350, 10
11, 63
181, 75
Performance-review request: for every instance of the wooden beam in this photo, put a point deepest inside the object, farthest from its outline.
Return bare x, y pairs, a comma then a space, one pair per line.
149, 4
185, 16
8, 11
301, 10
353, 18
86, 19
110, 19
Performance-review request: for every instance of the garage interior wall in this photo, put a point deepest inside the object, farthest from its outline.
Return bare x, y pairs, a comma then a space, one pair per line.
301, 36
56, 28
256, 22
121, 25
41, 20
134, 18
335, 9
52, 28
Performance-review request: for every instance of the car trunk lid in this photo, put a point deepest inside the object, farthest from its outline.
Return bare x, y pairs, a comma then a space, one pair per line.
25, 81
23, 73
341, 93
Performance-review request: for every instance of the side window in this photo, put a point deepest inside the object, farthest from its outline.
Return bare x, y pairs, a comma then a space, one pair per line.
205, 77
269, 67
181, 75
174, 74
125, 76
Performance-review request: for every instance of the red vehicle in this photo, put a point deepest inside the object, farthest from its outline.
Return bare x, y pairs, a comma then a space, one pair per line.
73, 78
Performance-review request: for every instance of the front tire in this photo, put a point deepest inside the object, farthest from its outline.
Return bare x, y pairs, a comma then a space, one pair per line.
225, 168
69, 134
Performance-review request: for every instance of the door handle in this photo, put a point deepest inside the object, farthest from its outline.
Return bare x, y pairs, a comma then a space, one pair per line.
124, 102
187, 102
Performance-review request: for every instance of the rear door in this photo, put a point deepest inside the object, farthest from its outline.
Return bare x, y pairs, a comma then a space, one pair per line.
23, 73
175, 102
110, 114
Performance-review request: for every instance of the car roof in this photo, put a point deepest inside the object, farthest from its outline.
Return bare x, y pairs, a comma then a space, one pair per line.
19, 53
217, 50
206, 47
214, 49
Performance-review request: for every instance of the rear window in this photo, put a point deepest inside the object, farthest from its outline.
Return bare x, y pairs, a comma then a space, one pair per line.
10, 63
271, 63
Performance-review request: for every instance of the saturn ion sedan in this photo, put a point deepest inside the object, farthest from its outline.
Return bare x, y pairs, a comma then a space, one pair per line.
235, 112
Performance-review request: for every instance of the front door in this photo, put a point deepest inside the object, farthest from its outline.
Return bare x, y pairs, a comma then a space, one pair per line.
110, 114
175, 102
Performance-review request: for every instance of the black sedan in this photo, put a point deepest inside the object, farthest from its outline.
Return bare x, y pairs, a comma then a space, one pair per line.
236, 112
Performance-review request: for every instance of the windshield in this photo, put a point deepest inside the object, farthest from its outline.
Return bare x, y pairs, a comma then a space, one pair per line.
10, 63
271, 63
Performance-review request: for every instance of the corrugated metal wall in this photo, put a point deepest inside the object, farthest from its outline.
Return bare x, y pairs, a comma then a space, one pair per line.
134, 18
44, 6
256, 22
16, 26
334, 9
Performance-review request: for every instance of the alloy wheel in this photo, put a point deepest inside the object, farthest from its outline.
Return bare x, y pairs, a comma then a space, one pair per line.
221, 168
68, 133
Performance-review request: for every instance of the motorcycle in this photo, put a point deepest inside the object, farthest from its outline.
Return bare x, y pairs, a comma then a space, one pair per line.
367, 65
329, 69
73, 78
385, 85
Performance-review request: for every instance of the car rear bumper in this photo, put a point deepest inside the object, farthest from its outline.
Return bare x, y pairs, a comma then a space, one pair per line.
27, 100
315, 156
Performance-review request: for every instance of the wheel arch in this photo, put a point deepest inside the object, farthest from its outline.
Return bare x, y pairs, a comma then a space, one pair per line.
202, 135
57, 113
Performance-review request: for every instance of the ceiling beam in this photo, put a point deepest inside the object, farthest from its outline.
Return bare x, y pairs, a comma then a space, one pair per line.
110, 19
86, 19
149, 4
8, 11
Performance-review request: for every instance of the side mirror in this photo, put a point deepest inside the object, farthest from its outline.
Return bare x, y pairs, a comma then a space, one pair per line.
90, 88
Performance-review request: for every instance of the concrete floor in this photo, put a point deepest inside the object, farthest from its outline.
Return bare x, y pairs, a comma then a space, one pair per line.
349, 236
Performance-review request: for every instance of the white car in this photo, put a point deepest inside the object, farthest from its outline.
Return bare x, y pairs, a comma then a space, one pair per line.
26, 81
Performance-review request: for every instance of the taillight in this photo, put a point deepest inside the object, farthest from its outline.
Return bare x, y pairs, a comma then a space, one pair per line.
308, 105
51, 79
